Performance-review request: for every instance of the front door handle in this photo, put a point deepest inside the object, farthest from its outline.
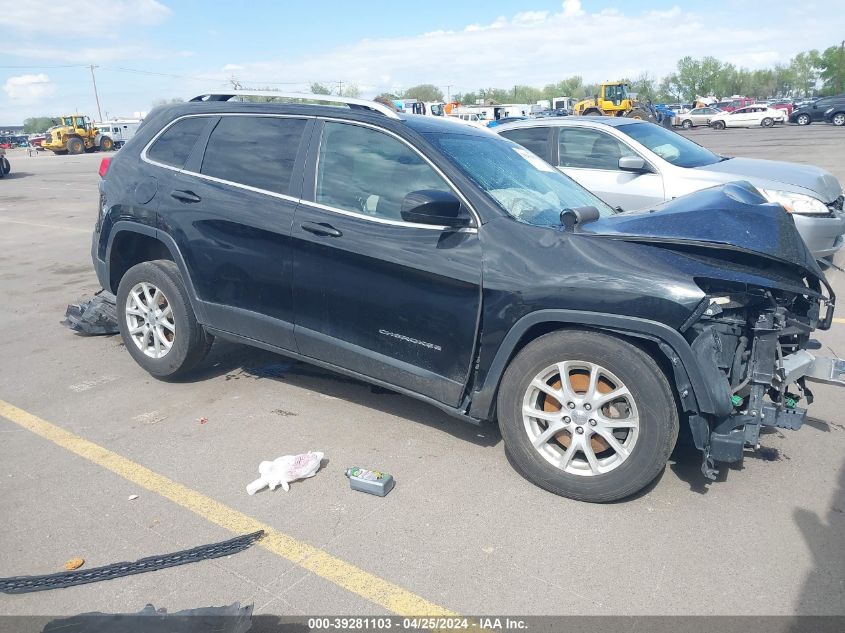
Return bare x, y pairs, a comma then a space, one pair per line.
185, 196
322, 229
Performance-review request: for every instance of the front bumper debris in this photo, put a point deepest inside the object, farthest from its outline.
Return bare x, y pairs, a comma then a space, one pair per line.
803, 364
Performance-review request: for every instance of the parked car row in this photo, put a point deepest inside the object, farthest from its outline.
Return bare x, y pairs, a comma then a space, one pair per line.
829, 109
482, 273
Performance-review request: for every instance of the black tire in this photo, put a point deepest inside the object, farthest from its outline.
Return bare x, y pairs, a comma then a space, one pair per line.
191, 342
838, 119
75, 145
646, 382
803, 119
767, 122
718, 125
106, 144
5, 166
639, 113
686, 124
593, 112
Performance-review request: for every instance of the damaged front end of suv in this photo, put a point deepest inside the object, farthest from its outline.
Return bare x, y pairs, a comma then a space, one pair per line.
751, 334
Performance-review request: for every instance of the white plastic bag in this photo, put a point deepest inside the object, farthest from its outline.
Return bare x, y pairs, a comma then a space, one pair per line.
285, 469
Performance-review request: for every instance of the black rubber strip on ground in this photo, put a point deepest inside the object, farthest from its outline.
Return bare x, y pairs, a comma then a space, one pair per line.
26, 584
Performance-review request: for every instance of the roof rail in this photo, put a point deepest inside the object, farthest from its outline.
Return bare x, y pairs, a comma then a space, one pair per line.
362, 104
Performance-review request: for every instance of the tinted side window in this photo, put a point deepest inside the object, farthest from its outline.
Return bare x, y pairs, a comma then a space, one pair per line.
254, 151
590, 149
369, 172
534, 139
174, 146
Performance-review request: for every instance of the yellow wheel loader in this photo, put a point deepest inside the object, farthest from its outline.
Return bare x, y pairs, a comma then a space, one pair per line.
614, 100
75, 134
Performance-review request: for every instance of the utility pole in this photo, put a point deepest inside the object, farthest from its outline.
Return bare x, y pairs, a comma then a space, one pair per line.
340, 88
96, 96
449, 93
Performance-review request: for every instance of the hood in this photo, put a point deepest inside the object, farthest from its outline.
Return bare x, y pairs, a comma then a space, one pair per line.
729, 217
816, 182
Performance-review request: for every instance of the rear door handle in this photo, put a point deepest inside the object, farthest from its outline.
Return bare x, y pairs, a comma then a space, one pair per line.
185, 196
322, 229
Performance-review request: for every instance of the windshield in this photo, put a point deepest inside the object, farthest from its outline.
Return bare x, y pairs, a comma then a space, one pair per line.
521, 183
670, 146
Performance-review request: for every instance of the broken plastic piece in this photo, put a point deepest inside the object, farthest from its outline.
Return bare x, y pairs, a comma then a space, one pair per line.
74, 563
95, 317
26, 584
285, 469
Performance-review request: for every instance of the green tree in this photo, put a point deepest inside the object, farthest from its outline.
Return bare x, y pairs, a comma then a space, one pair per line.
319, 89
386, 96
696, 77
806, 68
644, 86
348, 90
833, 69
37, 124
423, 92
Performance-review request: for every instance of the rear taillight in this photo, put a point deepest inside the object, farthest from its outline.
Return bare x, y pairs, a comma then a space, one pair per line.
104, 166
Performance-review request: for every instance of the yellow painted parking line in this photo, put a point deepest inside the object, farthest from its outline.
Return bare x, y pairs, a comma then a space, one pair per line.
337, 571
838, 320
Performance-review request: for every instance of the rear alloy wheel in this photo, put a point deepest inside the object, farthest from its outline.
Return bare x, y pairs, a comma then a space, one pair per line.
587, 415
767, 122
149, 320
718, 125
838, 119
157, 322
687, 124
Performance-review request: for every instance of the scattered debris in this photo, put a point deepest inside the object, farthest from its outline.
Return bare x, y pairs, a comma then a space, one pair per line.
133, 497
203, 420
26, 584
231, 619
371, 481
74, 563
285, 469
94, 317
283, 413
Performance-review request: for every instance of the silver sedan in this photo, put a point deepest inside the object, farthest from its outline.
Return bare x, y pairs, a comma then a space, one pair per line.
635, 165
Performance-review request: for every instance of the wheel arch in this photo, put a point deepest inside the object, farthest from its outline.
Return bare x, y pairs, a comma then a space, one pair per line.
131, 243
665, 344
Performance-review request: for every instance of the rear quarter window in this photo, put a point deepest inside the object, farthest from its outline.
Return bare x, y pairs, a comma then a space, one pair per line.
174, 146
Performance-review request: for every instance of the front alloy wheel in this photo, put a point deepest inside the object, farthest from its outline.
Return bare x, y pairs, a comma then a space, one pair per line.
587, 415
150, 321
838, 119
581, 418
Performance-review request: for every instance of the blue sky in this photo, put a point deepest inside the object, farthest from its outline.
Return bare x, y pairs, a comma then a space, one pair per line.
152, 49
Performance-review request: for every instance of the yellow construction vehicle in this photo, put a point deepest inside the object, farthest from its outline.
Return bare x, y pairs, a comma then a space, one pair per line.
74, 134
613, 100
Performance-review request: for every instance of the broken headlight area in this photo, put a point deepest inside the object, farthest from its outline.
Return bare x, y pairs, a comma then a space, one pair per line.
754, 348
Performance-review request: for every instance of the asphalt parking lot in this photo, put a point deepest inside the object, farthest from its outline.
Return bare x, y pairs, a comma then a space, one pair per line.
462, 532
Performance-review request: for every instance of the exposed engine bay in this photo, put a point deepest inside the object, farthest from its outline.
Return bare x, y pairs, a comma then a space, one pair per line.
754, 346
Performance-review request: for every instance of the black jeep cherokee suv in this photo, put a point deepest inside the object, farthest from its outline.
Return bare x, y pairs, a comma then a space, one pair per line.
450, 264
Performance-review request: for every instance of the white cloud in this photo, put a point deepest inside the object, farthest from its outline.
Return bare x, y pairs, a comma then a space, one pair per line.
28, 88
572, 8
537, 48
230, 67
79, 17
